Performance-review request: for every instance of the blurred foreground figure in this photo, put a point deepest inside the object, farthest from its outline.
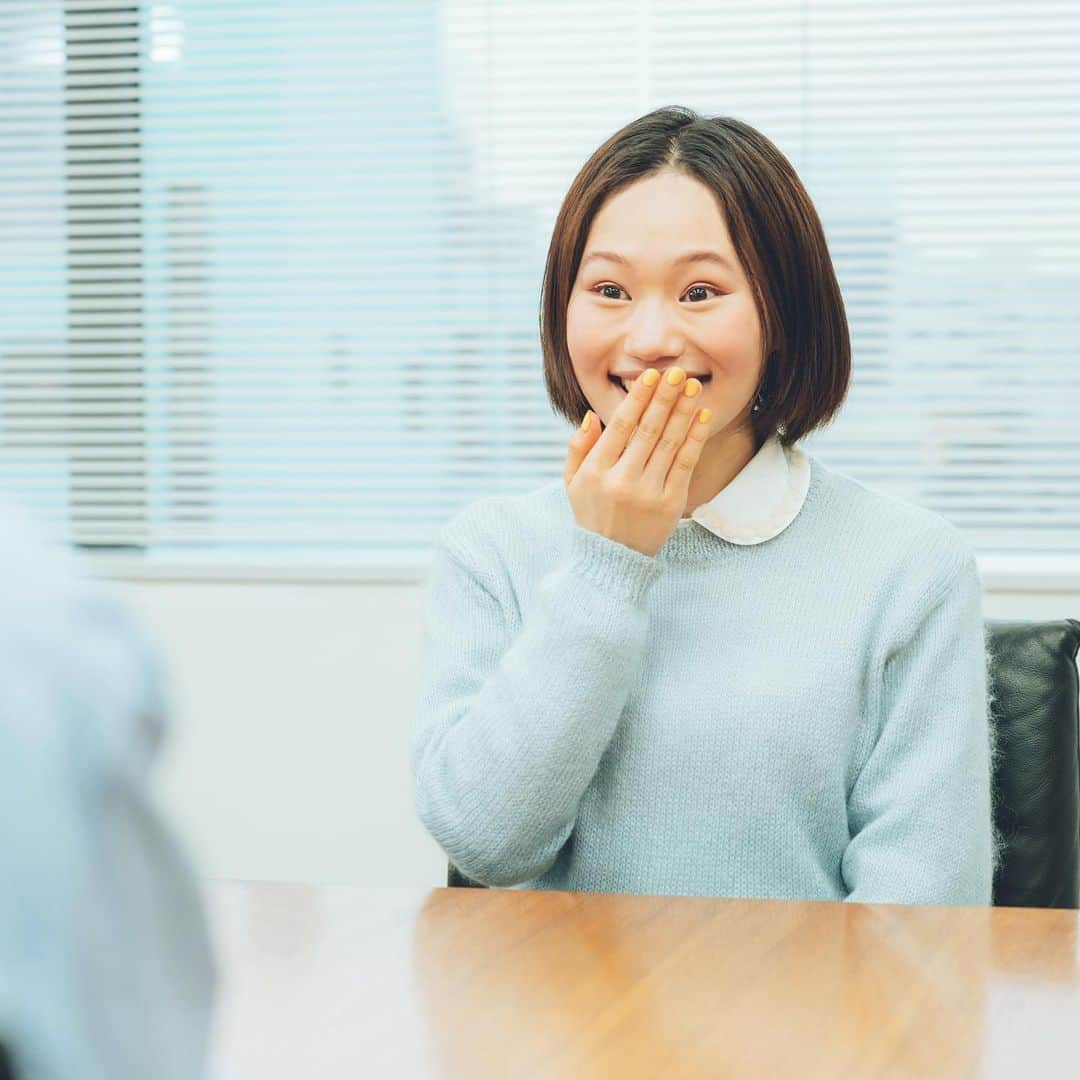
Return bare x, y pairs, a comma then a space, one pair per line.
105, 962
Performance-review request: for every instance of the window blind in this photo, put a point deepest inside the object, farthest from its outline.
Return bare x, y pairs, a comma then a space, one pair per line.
270, 273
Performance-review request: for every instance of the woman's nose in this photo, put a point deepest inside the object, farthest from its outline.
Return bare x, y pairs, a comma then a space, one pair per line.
653, 333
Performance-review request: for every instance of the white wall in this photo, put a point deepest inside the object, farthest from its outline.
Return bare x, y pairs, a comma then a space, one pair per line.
294, 705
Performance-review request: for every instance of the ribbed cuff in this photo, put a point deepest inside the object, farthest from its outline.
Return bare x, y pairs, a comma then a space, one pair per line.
613, 566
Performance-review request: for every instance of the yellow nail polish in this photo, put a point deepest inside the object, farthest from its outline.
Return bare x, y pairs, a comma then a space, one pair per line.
587, 422
651, 377
692, 388
704, 417
675, 376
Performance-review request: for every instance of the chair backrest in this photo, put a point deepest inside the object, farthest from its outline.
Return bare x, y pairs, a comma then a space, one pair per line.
456, 879
1036, 779
1037, 774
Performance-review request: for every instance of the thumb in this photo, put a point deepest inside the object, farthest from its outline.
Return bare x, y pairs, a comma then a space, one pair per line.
581, 442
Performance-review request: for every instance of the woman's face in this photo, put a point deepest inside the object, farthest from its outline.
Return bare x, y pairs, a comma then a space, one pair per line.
655, 311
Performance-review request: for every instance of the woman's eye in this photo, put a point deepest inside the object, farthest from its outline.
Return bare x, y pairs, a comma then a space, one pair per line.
692, 289
702, 288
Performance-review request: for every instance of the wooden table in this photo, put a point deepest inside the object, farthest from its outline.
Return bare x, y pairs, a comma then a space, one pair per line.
367, 983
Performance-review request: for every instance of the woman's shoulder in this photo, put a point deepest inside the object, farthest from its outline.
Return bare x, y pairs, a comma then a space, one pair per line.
509, 522
886, 521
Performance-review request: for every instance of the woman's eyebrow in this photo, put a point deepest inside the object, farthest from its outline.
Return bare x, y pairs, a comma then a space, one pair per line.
686, 257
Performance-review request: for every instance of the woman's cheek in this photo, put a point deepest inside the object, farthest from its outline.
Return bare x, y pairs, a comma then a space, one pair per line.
573, 328
583, 335
736, 345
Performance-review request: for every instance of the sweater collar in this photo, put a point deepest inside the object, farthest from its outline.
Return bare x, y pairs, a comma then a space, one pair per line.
762, 500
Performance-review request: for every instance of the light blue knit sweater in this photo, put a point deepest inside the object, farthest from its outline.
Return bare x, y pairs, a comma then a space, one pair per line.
804, 718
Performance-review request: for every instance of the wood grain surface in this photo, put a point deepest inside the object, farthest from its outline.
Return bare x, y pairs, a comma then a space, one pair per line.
366, 983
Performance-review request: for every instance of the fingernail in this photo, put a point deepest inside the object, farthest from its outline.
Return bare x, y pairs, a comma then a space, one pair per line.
587, 422
704, 416
651, 377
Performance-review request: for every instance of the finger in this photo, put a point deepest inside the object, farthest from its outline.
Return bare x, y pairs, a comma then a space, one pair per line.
581, 442
625, 419
680, 418
677, 485
652, 424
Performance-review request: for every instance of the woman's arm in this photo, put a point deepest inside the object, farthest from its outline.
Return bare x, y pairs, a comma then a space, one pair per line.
511, 729
919, 811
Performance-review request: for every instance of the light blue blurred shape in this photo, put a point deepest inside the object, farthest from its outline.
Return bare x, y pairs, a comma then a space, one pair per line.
106, 967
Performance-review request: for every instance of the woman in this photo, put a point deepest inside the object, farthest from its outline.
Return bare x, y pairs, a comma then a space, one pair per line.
702, 662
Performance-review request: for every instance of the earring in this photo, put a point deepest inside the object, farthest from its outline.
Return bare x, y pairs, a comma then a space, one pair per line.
758, 402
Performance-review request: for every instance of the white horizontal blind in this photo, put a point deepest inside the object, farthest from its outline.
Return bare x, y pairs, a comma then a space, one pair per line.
73, 424
942, 147
269, 273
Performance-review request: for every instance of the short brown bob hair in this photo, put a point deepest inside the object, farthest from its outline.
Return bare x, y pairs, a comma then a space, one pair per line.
777, 237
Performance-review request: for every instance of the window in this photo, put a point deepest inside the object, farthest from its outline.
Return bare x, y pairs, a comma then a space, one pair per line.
270, 273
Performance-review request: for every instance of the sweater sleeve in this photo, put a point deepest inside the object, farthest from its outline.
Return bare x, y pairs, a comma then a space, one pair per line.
513, 722
919, 812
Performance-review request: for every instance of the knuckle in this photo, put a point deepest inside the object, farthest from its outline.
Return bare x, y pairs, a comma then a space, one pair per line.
622, 425
591, 474
647, 430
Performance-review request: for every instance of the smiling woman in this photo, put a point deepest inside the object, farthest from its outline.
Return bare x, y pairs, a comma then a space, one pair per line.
642, 300
691, 241
780, 694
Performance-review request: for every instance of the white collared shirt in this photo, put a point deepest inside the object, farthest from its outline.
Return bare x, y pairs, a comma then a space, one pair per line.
760, 501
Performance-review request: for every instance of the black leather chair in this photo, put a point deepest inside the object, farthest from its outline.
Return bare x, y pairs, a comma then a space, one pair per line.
1037, 774
1037, 779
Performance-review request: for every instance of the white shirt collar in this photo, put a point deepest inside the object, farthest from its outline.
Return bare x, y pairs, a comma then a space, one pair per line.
762, 500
